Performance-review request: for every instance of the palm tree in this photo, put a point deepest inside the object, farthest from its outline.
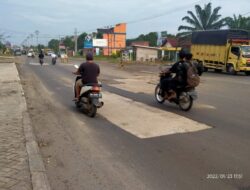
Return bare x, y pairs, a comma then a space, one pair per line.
205, 19
31, 37
239, 22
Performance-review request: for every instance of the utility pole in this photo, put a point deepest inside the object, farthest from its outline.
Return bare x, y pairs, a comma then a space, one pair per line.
75, 41
59, 52
37, 33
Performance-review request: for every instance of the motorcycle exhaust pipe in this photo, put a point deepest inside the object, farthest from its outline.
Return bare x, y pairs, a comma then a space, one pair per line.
99, 104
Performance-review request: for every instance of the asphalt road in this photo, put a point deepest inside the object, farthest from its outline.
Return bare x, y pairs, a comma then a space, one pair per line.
211, 152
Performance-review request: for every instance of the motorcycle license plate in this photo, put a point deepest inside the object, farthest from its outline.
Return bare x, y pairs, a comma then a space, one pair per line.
95, 95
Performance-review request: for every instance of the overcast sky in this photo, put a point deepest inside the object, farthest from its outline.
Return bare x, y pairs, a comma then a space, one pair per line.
54, 18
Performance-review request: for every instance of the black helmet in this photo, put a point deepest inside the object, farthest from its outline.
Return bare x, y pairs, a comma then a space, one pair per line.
189, 56
89, 56
182, 54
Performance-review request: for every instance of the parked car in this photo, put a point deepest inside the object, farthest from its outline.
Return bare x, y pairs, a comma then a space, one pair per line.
31, 53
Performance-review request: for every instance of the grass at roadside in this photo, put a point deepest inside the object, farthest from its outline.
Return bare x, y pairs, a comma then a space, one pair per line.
5, 55
6, 59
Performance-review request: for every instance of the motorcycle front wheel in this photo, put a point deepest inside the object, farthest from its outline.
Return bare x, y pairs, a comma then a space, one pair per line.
158, 96
185, 101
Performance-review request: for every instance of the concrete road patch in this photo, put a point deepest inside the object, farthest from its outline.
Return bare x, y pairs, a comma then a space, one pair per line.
146, 121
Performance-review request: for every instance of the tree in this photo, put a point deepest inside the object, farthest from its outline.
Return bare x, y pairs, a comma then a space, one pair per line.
150, 37
54, 44
1, 46
205, 19
1, 37
80, 40
40, 47
99, 35
69, 42
239, 22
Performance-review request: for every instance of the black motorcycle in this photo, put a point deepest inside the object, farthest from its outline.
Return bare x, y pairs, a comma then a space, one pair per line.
53, 60
184, 95
41, 61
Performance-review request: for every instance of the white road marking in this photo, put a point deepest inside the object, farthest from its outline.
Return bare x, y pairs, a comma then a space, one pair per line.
44, 64
144, 121
205, 106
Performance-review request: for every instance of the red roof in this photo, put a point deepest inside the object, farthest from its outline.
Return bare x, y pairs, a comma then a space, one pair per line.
173, 42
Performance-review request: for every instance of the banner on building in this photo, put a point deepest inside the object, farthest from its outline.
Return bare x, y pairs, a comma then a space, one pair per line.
100, 42
88, 42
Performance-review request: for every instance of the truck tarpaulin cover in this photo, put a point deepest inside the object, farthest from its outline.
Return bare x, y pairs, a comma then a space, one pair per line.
218, 37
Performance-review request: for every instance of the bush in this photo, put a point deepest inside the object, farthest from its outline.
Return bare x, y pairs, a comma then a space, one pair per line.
116, 55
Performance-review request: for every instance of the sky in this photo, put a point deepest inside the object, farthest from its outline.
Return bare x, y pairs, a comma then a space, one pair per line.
58, 18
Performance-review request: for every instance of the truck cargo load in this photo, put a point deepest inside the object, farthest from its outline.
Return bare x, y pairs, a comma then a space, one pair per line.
222, 50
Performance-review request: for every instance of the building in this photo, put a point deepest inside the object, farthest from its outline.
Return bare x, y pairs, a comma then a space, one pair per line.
170, 49
145, 53
116, 37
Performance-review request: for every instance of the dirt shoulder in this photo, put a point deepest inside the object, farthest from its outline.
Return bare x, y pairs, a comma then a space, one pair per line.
56, 144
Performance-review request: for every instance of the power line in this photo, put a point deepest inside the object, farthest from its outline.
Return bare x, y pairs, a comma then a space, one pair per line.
176, 9
245, 13
164, 13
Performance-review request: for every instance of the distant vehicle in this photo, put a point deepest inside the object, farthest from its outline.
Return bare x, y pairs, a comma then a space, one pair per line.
24, 52
54, 58
49, 53
31, 53
53, 55
17, 52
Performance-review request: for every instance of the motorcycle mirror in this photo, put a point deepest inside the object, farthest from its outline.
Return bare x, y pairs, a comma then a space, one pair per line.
76, 66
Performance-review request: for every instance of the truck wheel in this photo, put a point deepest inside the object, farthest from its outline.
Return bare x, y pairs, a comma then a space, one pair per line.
247, 73
205, 69
230, 69
218, 70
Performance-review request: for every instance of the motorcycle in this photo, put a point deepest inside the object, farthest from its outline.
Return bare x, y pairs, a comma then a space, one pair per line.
184, 95
53, 60
90, 96
41, 61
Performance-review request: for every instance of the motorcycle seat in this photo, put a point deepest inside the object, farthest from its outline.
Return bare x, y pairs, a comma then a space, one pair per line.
93, 84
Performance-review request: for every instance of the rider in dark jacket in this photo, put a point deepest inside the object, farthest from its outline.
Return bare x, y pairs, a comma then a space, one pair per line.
168, 85
41, 55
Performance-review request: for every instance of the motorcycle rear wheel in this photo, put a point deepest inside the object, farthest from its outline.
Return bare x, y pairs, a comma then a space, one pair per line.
92, 110
186, 102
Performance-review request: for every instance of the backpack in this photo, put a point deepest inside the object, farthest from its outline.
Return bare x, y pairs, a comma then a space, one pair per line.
193, 78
